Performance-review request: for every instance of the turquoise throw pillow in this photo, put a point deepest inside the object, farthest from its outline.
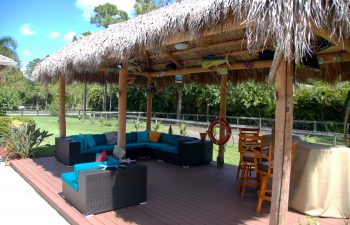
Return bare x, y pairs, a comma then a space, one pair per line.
142, 136
81, 139
89, 140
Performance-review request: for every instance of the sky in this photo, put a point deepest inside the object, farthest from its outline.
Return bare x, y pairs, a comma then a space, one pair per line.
42, 27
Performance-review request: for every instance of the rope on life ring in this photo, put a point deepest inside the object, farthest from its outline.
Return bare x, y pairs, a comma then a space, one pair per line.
227, 136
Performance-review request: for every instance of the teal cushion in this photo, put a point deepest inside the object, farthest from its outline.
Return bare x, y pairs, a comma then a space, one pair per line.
169, 139
131, 137
98, 149
155, 146
162, 147
69, 179
80, 139
100, 139
86, 166
111, 159
135, 145
89, 140
142, 136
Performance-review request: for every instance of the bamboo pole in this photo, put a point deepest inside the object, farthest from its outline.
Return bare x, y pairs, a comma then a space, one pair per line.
283, 141
149, 107
62, 108
223, 94
123, 87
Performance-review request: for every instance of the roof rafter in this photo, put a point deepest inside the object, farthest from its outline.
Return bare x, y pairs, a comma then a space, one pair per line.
187, 71
243, 43
328, 36
173, 58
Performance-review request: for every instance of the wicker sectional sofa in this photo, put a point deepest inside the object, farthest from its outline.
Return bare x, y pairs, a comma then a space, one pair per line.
183, 151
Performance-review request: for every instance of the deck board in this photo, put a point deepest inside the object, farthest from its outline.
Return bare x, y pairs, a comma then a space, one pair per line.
175, 196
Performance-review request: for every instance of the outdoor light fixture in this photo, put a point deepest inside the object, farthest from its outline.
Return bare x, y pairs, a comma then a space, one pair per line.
178, 79
181, 46
115, 69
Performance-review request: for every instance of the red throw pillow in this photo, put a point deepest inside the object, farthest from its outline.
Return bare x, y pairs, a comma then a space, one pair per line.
183, 137
102, 157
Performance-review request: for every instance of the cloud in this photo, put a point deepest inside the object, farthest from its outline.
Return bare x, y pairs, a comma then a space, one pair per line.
69, 36
26, 52
54, 35
26, 30
87, 6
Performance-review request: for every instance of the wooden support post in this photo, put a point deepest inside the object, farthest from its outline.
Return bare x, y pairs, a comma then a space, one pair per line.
123, 87
283, 141
62, 109
223, 93
149, 107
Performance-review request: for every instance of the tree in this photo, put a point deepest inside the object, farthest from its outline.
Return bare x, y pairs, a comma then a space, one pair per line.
87, 33
9, 99
8, 47
85, 93
144, 6
30, 67
104, 16
108, 14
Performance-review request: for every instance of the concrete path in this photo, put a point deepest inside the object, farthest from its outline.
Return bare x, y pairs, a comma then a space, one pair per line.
21, 204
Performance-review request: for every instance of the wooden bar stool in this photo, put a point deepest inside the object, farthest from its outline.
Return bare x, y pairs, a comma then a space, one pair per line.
265, 169
245, 132
249, 158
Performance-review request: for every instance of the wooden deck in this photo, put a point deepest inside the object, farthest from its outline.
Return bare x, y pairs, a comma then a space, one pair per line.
175, 196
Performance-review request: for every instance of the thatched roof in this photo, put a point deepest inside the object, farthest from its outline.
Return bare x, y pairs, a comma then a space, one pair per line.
145, 39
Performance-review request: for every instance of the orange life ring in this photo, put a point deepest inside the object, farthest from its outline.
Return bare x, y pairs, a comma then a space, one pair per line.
226, 125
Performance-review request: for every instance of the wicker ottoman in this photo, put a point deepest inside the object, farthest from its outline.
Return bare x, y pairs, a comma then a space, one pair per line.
105, 190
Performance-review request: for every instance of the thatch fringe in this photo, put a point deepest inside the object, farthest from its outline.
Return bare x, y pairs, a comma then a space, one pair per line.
265, 20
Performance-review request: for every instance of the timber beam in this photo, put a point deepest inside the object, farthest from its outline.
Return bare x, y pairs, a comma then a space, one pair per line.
188, 36
198, 60
187, 71
333, 57
225, 44
173, 59
328, 36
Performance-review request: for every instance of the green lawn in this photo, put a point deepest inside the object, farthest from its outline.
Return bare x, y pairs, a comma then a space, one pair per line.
76, 126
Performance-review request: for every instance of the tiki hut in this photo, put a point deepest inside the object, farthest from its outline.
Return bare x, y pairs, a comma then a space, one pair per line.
256, 39
6, 63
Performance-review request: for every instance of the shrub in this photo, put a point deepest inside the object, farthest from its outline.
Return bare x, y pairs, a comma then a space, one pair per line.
137, 124
53, 109
23, 140
5, 122
182, 128
156, 125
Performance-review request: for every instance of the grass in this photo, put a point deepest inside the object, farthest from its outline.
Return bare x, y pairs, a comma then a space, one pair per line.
324, 139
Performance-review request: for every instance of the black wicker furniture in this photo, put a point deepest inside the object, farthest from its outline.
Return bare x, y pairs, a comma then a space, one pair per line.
170, 148
100, 190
